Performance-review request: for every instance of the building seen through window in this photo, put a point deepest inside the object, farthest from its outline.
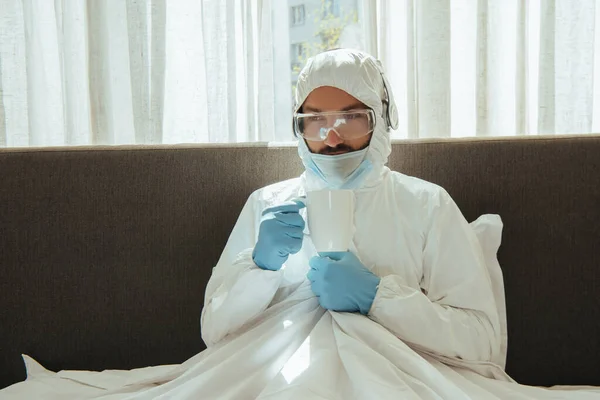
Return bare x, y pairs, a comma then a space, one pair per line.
297, 15
319, 25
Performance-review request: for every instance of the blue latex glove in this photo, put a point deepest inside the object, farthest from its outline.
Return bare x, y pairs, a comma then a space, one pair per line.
342, 282
280, 234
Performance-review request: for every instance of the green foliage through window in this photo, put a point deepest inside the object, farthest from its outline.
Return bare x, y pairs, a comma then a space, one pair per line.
330, 21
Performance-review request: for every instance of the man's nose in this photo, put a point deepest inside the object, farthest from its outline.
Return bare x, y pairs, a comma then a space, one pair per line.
332, 139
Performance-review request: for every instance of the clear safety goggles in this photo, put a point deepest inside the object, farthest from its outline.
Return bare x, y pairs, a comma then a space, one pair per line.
348, 125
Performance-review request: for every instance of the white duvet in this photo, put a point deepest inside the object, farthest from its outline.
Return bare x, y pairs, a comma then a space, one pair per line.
302, 354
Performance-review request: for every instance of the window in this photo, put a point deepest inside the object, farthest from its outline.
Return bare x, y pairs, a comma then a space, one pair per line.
297, 56
298, 15
331, 8
305, 34
298, 51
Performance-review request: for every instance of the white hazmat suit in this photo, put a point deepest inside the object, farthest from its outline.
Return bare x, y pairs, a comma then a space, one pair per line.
435, 291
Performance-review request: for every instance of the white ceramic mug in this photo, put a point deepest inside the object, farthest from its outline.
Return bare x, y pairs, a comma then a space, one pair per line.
330, 215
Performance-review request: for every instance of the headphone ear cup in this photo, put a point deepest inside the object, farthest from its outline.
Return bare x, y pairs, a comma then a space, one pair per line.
389, 106
295, 127
386, 114
390, 112
385, 105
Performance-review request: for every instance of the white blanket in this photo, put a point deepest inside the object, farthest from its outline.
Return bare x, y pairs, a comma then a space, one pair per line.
296, 351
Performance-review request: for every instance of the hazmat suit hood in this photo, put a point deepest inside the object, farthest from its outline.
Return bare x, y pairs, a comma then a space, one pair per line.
360, 75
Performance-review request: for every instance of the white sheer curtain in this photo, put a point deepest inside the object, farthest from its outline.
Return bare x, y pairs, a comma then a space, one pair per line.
491, 67
75, 72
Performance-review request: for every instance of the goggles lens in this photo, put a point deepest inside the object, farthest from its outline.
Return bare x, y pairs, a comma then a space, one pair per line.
348, 125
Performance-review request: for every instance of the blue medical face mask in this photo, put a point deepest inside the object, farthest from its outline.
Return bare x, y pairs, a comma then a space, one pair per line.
342, 171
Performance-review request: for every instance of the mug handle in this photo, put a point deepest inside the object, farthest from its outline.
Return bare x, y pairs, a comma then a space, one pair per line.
301, 200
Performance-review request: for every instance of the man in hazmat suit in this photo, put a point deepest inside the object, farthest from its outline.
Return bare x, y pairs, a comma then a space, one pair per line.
416, 269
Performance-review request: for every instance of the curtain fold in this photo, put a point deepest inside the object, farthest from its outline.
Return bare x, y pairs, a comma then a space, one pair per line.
432, 43
566, 70
147, 35
499, 59
13, 86
189, 71
73, 47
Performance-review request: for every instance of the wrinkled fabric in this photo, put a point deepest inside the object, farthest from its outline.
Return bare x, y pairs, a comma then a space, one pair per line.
435, 291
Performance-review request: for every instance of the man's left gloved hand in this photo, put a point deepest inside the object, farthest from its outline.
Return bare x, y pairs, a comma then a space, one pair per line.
342, 282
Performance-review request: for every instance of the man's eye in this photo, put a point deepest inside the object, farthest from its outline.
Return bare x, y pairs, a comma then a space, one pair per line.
315, 119
353, 116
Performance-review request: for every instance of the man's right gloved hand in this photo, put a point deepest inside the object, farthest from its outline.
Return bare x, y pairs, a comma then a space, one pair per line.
280, 234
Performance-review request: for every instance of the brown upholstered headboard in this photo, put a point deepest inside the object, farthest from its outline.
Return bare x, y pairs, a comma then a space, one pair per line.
105, 252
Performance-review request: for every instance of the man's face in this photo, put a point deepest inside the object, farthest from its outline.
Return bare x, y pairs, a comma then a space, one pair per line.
324, 99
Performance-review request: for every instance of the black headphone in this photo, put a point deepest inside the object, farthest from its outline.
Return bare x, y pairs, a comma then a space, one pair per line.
385, 104
390, 113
